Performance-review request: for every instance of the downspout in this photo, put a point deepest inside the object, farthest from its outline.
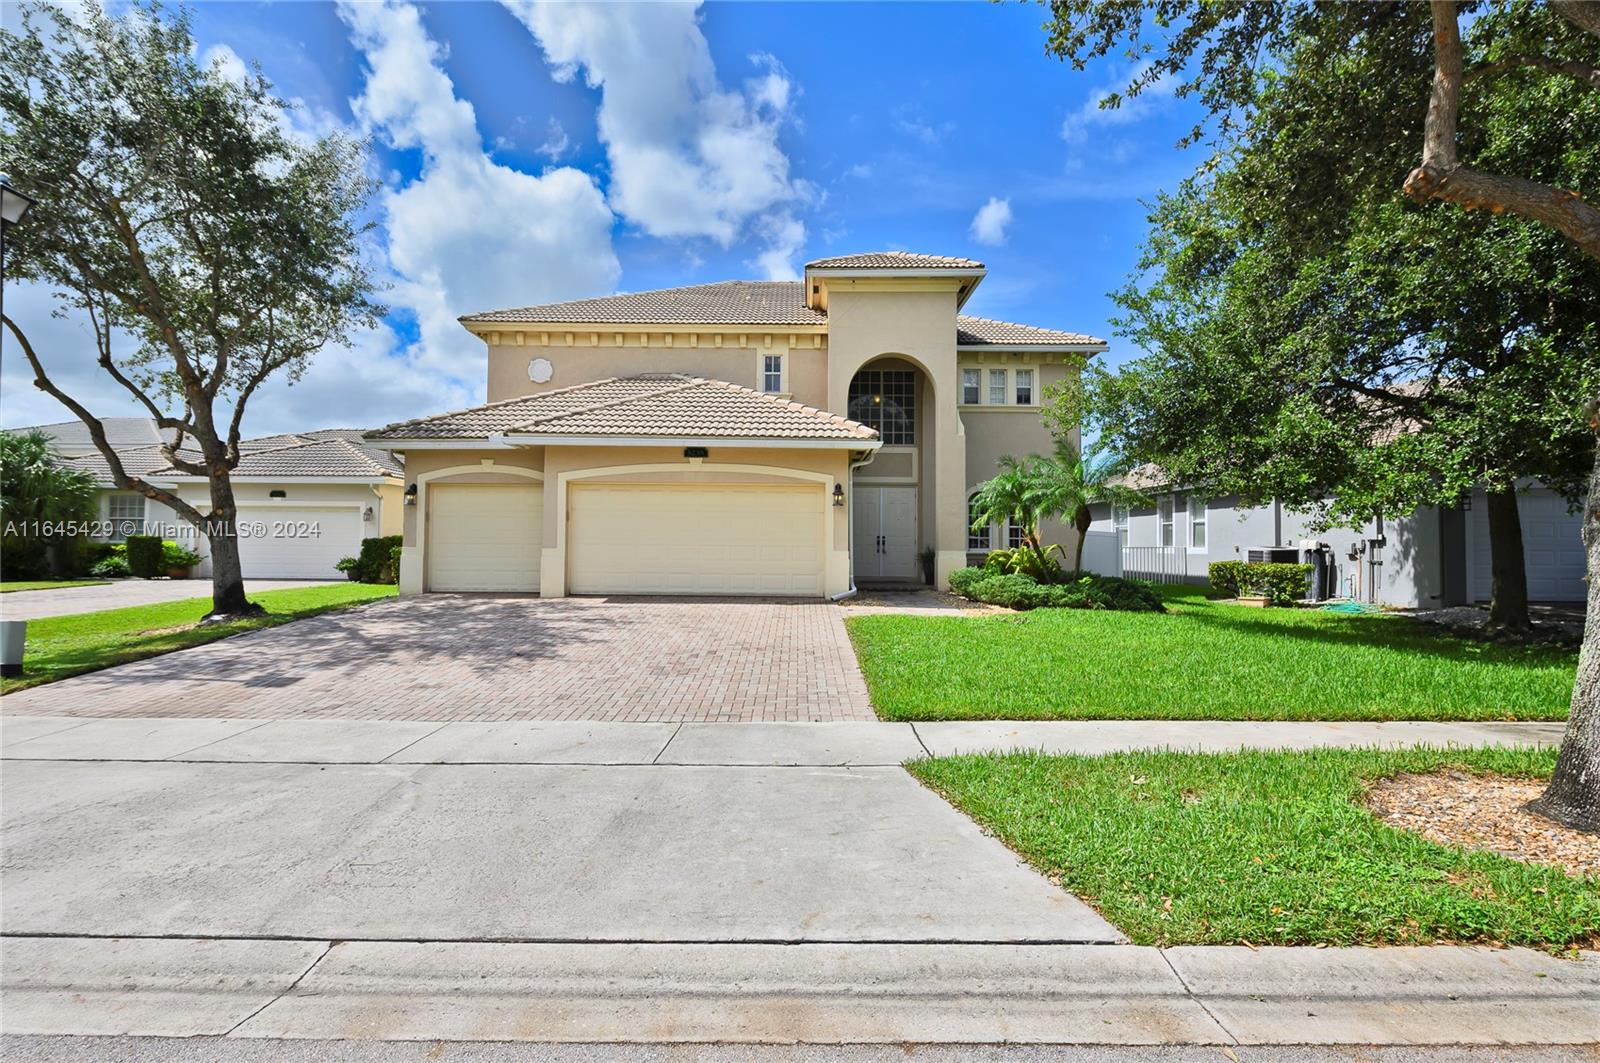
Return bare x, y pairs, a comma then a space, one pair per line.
850, 510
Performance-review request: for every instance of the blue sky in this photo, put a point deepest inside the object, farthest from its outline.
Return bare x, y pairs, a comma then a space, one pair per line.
532, 152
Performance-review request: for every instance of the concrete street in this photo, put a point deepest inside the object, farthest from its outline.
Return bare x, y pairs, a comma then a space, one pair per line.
636, 884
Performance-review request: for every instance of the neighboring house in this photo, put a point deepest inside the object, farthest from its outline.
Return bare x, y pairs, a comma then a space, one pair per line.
1421, 560
748, 437
305, 499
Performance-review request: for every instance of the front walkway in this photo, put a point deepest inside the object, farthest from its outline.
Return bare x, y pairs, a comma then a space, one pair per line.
470, 657
120, 594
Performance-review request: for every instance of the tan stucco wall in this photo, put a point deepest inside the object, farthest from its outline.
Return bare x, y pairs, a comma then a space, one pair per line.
919, 327
557, 466
580, 363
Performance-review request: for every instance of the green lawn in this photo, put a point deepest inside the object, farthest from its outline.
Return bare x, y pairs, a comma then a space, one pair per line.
1265, 848
68, 645
48, 584
1201, 660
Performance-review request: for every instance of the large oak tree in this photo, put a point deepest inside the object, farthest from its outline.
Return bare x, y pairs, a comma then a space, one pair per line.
1298, 288
208, 247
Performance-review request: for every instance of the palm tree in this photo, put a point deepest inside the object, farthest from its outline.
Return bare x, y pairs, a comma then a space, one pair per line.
38, 491
1010, 496
1073, 479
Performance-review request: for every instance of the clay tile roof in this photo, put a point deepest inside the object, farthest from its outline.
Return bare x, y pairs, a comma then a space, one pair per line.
983, 331
320, 458
136, 461
668, 405
893, 260
724, 303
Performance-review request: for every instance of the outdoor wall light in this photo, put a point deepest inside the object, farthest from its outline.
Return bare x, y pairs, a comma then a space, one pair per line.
838, 495
410, 497
366, 514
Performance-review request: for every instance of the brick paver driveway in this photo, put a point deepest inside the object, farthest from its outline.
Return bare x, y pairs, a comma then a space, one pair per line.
463, 657
67, 601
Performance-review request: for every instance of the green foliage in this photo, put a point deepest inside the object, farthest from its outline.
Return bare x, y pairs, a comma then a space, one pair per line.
38, 493
347, 565
1234, 663
1283, 583
1076, 590
377, 561
175, 556
1040, 564
144, 556
112, 566
1265, 847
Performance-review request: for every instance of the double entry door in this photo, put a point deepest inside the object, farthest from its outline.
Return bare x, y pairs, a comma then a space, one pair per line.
884, 534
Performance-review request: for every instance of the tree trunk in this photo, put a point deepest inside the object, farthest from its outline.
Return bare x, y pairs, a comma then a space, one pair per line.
227, 574
1573, 796
1508, 595
1082, 519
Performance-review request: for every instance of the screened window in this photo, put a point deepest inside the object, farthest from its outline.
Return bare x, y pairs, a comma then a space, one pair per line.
971, 386
772, 373
997, 387
1197, 522
1119, 524
983, 538
1164, 519
1024, 381
886, 400
126, 514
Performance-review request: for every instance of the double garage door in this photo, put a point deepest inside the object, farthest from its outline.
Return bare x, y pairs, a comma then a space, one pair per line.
632, 539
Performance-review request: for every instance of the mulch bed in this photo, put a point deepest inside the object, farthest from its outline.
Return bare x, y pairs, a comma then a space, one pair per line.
1483, 812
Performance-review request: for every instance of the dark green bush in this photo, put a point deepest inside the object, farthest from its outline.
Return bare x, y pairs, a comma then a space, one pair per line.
1082, 590
112, 566
376, 563
394, 563
1281, 582
144, 556
348, 566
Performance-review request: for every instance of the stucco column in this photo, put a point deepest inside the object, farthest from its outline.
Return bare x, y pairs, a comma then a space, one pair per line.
949, 485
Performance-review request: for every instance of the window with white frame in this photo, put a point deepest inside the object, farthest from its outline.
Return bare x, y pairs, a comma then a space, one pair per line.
772, 373
125, 512
1013, 534
1164, 520
997, 387
1119, 524
971, 386
983, 537
1197, 521
1024, 386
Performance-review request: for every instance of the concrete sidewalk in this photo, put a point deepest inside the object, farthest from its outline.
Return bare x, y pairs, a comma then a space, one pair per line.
820, 994
720, 744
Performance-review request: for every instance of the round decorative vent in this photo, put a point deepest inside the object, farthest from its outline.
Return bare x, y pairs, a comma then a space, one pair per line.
540, 370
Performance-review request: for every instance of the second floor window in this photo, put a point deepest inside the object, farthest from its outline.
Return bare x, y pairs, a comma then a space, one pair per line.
772, 373
886, 399
971, 386
997, 387
1164, 519
1024, 379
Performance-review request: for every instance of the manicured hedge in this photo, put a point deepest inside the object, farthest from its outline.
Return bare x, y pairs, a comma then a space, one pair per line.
1079, 590
1281, 582
377, 563
144, 556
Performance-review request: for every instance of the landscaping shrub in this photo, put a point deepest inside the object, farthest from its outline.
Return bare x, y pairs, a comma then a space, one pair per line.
348, 566
1023, 561
1081, 590
1283, 583
175, 556
144, 556
394, 563
376, 563
112, 566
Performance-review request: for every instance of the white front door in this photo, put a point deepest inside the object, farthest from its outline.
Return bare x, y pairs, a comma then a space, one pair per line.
884, 533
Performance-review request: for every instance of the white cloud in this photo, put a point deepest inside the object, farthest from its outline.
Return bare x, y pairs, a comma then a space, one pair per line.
1075, 128
688, 157
989, 224
786, 238
556, 141
468, 233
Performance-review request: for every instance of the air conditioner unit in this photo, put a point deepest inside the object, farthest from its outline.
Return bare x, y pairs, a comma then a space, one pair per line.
1280, 554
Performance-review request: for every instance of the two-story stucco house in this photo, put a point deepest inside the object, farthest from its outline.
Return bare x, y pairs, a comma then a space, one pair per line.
748, 437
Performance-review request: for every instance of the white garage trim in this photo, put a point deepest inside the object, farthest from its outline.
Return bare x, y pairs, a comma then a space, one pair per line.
553, 574
484, 466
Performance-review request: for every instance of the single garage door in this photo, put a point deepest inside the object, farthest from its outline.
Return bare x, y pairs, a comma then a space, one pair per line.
485, 537
288, 543
678, 539
1552, 547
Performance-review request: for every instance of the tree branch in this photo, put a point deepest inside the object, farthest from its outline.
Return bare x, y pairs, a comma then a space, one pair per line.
1584, 14
1584, 73
97, 433
1441, 175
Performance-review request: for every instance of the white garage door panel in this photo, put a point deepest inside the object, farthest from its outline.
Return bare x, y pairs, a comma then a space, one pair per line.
1551, 547
638, 539
298, 543
485, 537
